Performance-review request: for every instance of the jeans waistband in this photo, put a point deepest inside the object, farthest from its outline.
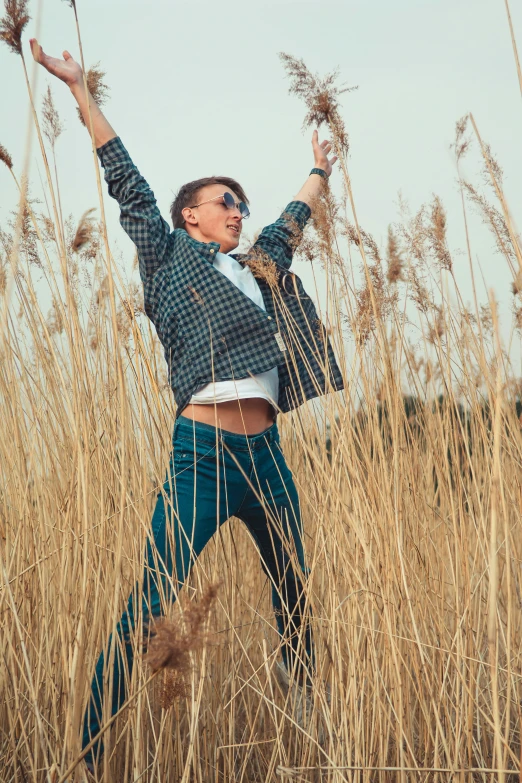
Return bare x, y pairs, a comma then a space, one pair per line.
206, 433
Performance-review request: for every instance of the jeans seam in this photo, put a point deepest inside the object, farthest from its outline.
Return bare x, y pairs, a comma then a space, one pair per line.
246, 490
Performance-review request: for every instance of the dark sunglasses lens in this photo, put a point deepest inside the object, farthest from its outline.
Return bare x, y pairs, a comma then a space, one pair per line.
228, 198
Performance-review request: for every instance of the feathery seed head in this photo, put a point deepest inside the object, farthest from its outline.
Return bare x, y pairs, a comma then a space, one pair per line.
517, 312
123, 321
103, 291
516, 285
325, 218
170, 645
308, 248
496, 221
47, 229
486, 319
13, 23
419, 293
83, 232
438, 327
373, 302
96, 86
437, 235
28, 237
135, 299
5, 157
295, 232
462, 143
395, 260
169, 648
174, 687
262, 267
51, 125
369, 243
321, 97
55, 322
491, 166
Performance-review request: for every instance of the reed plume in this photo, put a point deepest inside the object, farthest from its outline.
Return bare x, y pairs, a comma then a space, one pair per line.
84, 231
516, 285
462, 142
171, 644
394, 258
372, 309
492, 165
5, 157
22, 223
437, 235
52, 126
355, 237
308, 248
13, 23
325, 220
493, 218
517, 316
437, 327
96, 86
262, 266
320, 95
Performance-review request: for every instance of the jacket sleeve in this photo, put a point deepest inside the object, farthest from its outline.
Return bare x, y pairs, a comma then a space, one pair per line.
280, 239
139, 215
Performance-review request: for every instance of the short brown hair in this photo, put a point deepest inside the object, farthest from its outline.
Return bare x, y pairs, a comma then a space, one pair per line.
188, 194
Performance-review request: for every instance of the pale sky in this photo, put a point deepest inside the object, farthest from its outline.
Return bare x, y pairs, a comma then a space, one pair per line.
198, 88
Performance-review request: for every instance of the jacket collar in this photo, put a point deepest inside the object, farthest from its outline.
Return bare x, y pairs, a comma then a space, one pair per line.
207, 250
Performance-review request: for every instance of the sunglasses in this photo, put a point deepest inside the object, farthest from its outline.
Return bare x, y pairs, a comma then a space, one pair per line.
228, 200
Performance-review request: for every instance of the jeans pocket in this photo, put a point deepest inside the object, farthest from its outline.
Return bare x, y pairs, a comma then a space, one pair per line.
190, 455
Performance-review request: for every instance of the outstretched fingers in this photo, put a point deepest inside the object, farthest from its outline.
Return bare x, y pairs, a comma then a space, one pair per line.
67, 70
36, 50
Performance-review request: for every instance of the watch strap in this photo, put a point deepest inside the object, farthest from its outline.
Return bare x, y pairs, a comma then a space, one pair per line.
321, 173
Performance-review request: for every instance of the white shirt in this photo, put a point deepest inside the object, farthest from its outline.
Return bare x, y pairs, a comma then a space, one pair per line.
265, 384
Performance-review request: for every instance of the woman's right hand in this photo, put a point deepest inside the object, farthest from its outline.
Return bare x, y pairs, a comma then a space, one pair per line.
68, 70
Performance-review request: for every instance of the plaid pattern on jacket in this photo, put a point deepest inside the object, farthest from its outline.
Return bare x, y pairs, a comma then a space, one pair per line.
209, 329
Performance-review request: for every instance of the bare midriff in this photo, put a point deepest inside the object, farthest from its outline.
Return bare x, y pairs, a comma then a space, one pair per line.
246, 417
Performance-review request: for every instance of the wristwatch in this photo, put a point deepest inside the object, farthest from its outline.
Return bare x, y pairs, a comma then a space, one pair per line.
321, 172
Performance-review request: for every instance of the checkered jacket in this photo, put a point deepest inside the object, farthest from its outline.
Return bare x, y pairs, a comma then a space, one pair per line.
209, 329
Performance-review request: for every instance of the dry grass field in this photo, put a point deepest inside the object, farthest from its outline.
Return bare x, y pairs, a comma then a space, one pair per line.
410, 484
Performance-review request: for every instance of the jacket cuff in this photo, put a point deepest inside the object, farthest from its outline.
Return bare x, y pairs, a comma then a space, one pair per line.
300, 212
112, 151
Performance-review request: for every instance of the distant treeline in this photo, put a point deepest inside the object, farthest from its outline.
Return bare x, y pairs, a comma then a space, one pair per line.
465, 428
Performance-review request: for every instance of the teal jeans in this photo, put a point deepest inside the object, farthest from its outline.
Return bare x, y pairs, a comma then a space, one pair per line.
213, 475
